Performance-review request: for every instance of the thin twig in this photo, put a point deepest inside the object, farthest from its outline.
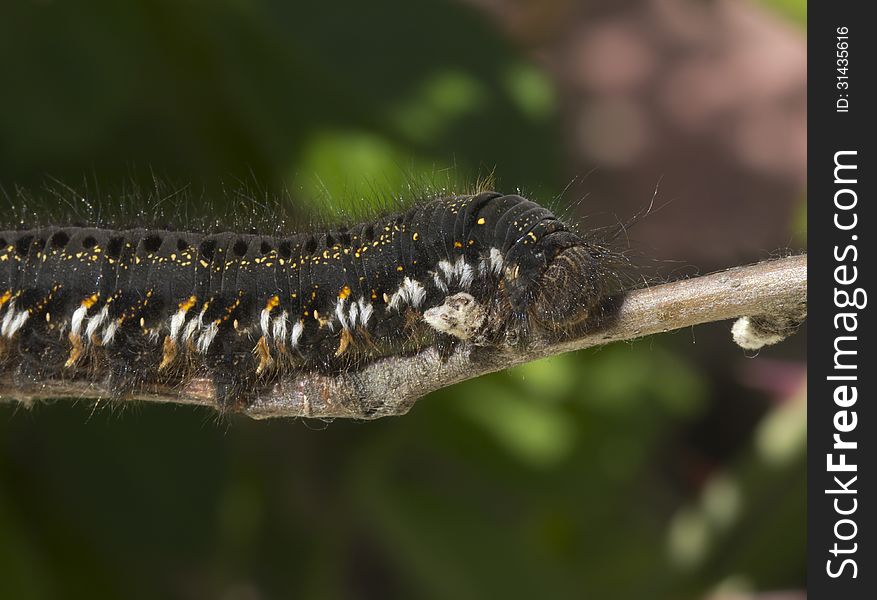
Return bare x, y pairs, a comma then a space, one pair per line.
392, 385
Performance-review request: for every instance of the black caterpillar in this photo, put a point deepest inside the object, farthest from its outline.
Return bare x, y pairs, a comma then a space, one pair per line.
144, 306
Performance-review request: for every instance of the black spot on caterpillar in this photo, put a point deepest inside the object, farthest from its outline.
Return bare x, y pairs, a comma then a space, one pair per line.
144, 305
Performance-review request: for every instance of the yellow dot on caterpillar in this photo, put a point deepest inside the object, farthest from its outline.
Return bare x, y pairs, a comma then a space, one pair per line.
400, 268
142, 322
386, 299
458, 245
480, 221
471, 242
415, 236
48, 318
345, 291
235, 324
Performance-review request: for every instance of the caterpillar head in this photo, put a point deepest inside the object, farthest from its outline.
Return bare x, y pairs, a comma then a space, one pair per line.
559, 280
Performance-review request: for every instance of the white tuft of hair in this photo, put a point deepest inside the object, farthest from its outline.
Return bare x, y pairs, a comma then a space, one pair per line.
750, 337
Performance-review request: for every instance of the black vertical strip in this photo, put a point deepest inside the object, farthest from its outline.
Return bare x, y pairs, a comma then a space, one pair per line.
441, 230
401, 256
187, 251
164, 271
355, 279
364, 285
206, 251
296, 282
423, 224
223, 274
307, 293
47, 277
842, 533
111, 257
467, 227
435, 236
30, 298
18, 260
7, 262
43, 274
255, 280
411, 243
121, 268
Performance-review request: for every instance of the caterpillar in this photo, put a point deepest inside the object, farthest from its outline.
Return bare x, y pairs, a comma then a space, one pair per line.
143, 305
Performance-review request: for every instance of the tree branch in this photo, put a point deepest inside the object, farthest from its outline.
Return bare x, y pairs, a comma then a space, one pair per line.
391, 386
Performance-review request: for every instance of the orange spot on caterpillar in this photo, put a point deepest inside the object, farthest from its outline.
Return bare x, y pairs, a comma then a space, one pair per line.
168, 353
346, 339
188, 303
264, 354
91, 300
75, 350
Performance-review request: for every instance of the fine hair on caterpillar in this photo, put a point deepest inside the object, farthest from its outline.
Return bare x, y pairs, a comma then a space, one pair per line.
141, 304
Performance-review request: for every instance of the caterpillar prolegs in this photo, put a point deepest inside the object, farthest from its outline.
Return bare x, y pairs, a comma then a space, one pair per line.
141, 306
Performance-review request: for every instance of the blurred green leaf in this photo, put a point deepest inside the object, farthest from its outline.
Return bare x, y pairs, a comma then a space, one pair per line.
795, 10
531, 90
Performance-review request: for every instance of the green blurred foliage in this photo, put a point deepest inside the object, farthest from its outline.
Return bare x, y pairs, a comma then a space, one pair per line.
794, 10
561, 478
201, 90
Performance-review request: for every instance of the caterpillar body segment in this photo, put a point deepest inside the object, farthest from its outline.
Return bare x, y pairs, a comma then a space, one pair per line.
144, 306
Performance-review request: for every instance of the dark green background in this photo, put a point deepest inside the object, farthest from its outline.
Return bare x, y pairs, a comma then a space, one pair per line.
645, 470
